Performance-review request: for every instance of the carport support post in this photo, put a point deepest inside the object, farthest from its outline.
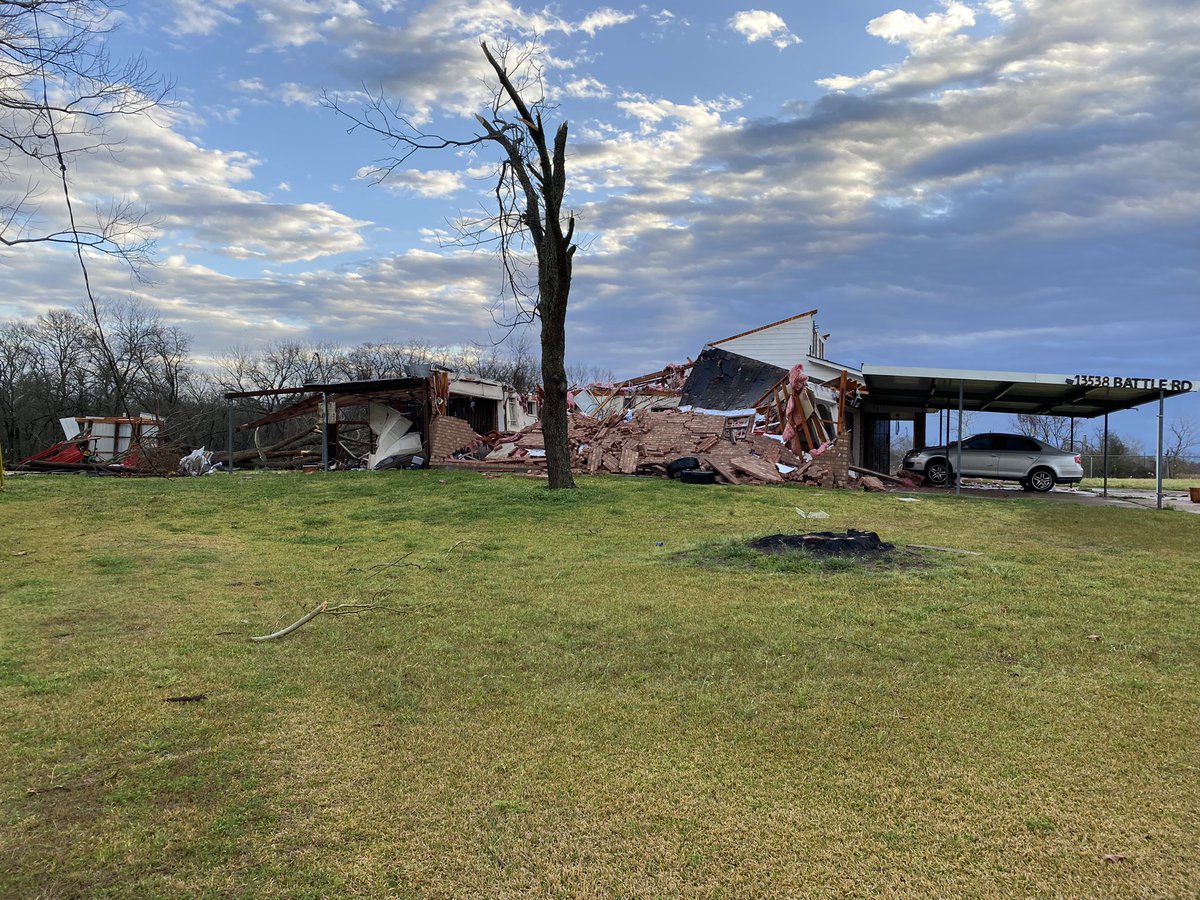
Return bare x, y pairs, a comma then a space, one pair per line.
1106, 454
1158, 448
958, 465
229, 445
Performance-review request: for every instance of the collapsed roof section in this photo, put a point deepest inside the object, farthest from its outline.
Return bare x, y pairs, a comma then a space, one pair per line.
655, 390
722, 380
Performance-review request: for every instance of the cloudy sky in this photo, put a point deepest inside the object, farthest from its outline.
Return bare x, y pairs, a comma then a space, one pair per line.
1000, 184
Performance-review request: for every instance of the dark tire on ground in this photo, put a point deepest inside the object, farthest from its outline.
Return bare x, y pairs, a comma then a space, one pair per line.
682, 465
1042, 480
938, 472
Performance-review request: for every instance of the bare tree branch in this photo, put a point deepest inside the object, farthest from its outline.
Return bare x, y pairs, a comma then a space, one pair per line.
530, 186
57, 82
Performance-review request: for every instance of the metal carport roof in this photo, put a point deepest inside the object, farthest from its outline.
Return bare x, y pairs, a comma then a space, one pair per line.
1072, 396
1077, 396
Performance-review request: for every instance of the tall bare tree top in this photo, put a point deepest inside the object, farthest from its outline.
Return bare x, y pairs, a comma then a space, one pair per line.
58, 85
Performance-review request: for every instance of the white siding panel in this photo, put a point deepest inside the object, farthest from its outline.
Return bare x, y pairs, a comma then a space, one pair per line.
823, 371
782, 345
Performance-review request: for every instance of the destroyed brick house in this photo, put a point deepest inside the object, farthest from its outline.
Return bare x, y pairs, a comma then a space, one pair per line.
761, 406
764, 405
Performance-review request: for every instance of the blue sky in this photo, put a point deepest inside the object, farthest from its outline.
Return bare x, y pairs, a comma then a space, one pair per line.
1000, 184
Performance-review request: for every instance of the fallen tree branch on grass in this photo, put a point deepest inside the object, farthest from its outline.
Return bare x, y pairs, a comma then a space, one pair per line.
284, 632
342, 609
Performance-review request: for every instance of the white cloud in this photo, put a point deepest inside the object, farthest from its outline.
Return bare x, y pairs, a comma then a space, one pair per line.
440, 297
585, 87
1001, 9
196, 197
761, 25
923, 35
603, 18
423, 183
226, 114
249, 85
191, 18
294, 94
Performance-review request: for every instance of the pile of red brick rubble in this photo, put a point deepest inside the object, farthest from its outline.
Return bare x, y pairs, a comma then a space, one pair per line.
646, 442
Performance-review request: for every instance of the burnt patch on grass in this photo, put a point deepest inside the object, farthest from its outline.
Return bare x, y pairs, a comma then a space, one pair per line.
862, 544
789, 554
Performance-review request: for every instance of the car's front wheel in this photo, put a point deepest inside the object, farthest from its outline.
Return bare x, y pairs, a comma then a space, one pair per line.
937, 472
1042, 480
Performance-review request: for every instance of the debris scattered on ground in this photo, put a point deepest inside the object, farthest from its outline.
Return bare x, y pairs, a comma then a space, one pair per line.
283, 632
824, 543
342, 609
652, 442
106, 445
198, 462
909, 479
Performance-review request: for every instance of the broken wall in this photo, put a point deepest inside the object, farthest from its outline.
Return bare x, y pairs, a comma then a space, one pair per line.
448, 434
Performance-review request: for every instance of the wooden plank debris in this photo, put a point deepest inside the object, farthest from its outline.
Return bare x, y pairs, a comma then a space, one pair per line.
724, 470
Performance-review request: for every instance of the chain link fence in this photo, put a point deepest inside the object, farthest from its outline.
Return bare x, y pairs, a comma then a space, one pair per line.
1125, 465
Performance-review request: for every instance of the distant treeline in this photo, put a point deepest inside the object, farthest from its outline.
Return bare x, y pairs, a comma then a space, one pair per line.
55, 366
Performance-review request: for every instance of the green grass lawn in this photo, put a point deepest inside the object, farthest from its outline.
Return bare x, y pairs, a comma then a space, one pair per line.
555, 705
1145, 484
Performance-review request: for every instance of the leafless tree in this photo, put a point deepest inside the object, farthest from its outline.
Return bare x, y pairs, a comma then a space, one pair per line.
58, 87
581, 375
1054, 430
281, 365
53, 367
1184, 435
528, 194
151, 356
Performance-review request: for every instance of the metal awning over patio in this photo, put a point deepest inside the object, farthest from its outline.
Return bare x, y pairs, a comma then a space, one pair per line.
1070, 396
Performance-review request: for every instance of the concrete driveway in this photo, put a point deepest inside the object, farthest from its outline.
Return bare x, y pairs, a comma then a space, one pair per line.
1128, 497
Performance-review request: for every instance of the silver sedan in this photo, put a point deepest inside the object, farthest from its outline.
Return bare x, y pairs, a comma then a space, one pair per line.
1036, 465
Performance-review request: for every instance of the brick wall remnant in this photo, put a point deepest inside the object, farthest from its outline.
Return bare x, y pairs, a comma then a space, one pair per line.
449, 434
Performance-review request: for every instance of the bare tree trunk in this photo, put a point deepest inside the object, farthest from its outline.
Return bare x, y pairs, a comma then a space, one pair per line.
530, 188
555, 418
